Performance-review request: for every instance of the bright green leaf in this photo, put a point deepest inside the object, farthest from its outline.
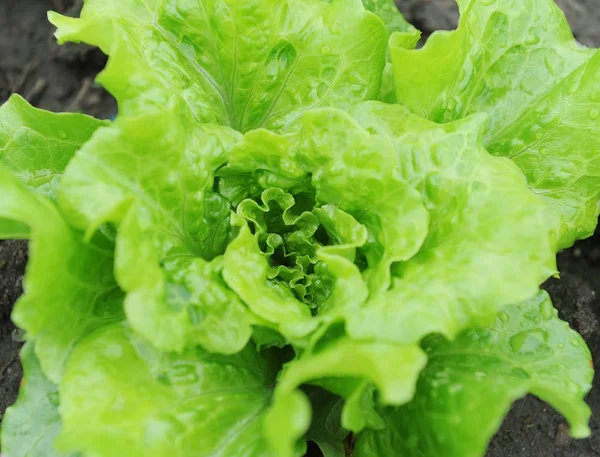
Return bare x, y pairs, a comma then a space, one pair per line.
244, 64
348, 168
326, 428
37, 145
486, 230
69, 289
121, 397
389, 13
469, 384
31, 425
517, 61
393, 369
153, 177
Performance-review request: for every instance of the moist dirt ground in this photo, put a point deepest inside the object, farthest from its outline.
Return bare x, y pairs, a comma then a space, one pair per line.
62, 79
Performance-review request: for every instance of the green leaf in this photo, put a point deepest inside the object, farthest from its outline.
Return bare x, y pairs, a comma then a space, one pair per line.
389, 13
122, 397
153, 177
31, 425
246, 272
469, 384
257, 63
326, 428
348, 168
393, 369
69, 289
517, 61
37, 145
486, 230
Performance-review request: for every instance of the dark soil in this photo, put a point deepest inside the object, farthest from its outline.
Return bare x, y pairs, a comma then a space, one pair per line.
61, 79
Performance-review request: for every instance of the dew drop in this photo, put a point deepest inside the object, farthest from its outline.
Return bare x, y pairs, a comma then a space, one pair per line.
62, 134
322, 90
532, 39
488, 2
503, 316
454, 104
183, 374
18, 335
594, 113
528, 341
479, 375
197, 315
325, 49
575, 342
54, 398
546, 309
455, 389
549, 65
163, 378
594, 96
561, 345
572, 88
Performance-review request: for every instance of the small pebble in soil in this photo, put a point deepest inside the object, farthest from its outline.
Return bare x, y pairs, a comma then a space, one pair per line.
563, 437
18, 335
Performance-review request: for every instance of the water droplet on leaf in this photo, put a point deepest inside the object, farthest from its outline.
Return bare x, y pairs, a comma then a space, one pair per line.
54, 398
18, 335
197, 315
183, 374
528, 341
575, 342
546, 309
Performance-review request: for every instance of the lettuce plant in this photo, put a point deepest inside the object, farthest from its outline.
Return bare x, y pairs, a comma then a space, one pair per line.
300, 227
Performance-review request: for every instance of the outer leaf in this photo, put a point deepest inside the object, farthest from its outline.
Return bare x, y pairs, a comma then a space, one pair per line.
244, 64
31, 425
517, 61
326, 428
472, 251
469, 384
393, 369
69, 287
37, 145
121, 397
152, 176
389, 13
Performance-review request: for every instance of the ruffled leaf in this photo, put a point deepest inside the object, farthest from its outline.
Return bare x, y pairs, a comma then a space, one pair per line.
330, 150
393, 369
256, 63
31, 425
37, 145
152, 176
69, 289
122, 397
469, 385
517, 61
486, 230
